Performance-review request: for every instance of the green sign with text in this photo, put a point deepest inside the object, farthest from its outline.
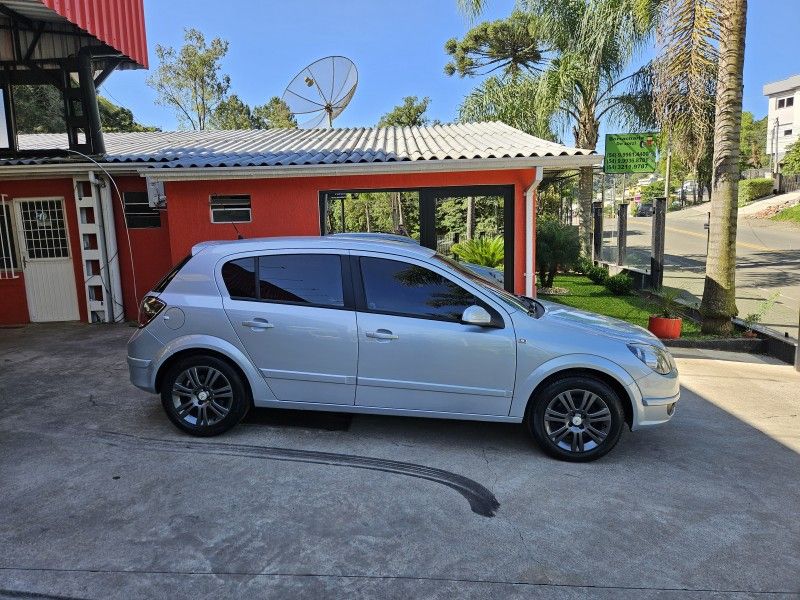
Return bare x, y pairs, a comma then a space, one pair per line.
630, 153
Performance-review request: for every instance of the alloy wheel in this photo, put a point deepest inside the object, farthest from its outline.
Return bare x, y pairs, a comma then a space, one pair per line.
577, 420
202, 396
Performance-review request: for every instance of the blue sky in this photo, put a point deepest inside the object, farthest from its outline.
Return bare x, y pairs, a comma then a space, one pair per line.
397, 47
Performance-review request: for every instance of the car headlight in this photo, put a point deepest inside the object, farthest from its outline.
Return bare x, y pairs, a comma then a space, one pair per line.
654, 357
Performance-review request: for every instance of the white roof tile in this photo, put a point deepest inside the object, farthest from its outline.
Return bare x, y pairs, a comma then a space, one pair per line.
284, 147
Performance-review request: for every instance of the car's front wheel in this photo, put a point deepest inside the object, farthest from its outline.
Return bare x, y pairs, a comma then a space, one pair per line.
204, 395
576, 419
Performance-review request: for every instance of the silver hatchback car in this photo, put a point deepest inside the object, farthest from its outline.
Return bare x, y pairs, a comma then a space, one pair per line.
360, 325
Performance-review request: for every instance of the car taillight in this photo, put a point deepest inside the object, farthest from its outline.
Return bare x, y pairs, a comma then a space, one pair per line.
149, 308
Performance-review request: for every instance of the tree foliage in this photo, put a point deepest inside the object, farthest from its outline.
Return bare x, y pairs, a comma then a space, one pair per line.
557, 247
190, 79
275, 113
40, 109
753, 142
510, 45
791, 161
485, 251
512, 101
411, 113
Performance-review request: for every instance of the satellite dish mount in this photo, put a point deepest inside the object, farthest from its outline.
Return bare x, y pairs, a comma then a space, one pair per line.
321, 91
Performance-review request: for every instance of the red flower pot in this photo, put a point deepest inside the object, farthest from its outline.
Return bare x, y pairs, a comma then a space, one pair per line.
664, 327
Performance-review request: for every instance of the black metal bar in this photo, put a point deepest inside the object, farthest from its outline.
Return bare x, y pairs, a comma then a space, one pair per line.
657, 243
34, 42
111, 65
91, 109
622, 232
597, 214
16, 16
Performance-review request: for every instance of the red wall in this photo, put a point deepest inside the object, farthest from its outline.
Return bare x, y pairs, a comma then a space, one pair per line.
13, 301
151, 249
291, 206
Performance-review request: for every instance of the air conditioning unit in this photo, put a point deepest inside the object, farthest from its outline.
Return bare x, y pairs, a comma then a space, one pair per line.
155, 194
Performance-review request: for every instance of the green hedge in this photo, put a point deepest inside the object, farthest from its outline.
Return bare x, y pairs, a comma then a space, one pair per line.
751, 189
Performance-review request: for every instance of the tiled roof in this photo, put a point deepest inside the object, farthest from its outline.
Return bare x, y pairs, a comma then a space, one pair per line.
286, 147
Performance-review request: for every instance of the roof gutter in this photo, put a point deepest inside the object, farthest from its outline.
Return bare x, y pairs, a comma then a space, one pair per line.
158, 172
384, 168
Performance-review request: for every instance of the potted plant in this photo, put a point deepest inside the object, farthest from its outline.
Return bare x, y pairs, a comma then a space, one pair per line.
667, 324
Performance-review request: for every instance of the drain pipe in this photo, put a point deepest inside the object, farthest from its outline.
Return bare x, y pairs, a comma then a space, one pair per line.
530, 233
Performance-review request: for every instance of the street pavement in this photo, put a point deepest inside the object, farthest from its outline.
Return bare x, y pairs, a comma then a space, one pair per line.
102, 498
767, 259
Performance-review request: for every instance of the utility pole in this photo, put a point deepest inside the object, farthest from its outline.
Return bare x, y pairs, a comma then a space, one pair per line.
668, 171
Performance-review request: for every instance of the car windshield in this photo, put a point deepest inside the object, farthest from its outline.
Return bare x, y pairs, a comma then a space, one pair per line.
512, 300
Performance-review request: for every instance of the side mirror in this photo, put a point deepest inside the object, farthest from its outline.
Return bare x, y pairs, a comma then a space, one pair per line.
476, 315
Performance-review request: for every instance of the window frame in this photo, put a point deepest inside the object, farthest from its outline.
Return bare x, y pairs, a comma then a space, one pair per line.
781, 103
787, 132
9, 219
498, 319
211, 209
347, 289
151, 212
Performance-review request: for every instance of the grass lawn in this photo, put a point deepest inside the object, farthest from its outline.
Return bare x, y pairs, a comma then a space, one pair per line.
596, 298
791, 214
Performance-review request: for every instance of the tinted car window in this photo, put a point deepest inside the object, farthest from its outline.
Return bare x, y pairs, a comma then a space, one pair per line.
302, 278
397, 287
164, 281
240, 277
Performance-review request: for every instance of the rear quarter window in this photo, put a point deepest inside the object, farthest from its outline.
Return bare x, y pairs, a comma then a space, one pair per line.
165, 281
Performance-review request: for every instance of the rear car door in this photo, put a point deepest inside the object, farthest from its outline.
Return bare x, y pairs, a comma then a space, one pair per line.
414, 351
294, 315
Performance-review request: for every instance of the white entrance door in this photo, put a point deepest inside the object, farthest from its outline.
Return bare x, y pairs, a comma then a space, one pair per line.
46, 263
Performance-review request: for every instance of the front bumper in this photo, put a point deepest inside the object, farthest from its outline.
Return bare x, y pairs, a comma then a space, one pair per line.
656, 399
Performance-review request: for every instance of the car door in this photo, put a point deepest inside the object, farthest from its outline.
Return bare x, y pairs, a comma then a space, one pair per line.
297, 323
415, 353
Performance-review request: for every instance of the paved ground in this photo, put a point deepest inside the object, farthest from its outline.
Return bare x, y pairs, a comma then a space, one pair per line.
768, 259
101, 498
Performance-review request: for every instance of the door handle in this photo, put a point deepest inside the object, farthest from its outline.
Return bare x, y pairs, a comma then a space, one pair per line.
382, 334
258, 324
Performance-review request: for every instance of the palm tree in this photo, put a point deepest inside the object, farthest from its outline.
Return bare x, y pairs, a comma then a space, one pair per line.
584, 81
719, 292
699, 73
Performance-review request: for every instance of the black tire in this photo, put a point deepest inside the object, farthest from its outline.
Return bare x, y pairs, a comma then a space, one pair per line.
598, 424
213, 376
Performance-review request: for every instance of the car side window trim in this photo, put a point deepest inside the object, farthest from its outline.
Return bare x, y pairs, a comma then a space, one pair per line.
361, 297
344, 260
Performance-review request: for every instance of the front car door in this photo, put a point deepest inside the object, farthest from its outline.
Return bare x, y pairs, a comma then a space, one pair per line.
295, 318
414, 352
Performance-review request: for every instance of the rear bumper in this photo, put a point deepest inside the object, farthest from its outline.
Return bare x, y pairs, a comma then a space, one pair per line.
139, 370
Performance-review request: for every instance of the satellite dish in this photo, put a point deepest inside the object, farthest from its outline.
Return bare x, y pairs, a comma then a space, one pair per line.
321, 91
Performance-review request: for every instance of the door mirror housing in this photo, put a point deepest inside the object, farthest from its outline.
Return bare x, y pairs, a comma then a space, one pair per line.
477, 315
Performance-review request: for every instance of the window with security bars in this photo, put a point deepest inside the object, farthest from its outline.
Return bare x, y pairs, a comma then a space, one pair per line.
8, 246
230, 209
138, 213
44, 231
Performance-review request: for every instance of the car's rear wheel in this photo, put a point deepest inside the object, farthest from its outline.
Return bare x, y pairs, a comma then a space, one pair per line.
204, 395
576, 419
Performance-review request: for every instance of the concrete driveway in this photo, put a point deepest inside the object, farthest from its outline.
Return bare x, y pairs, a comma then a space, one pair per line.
100, 497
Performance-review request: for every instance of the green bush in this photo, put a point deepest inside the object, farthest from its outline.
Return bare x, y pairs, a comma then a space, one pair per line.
557, 247
751, 189
486, 251
597, 275
620, 284
583, 265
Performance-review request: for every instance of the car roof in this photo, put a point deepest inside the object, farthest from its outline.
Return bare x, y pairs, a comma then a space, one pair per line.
369, 242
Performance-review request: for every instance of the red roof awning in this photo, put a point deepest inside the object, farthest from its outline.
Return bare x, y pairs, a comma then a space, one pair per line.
118, 23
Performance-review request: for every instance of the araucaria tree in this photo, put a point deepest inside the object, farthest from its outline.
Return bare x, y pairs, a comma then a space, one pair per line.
589, 46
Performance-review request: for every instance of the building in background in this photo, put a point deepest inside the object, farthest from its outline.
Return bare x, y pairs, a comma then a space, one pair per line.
783, 117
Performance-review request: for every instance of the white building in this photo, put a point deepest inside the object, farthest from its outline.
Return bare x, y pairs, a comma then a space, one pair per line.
783, 122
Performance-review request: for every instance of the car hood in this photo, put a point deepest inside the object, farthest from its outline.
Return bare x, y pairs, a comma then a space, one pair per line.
595, 324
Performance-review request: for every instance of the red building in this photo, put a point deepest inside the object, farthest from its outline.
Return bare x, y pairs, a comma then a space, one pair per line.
80, 240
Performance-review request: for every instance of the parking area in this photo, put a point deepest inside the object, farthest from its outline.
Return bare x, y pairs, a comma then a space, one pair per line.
100, 497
